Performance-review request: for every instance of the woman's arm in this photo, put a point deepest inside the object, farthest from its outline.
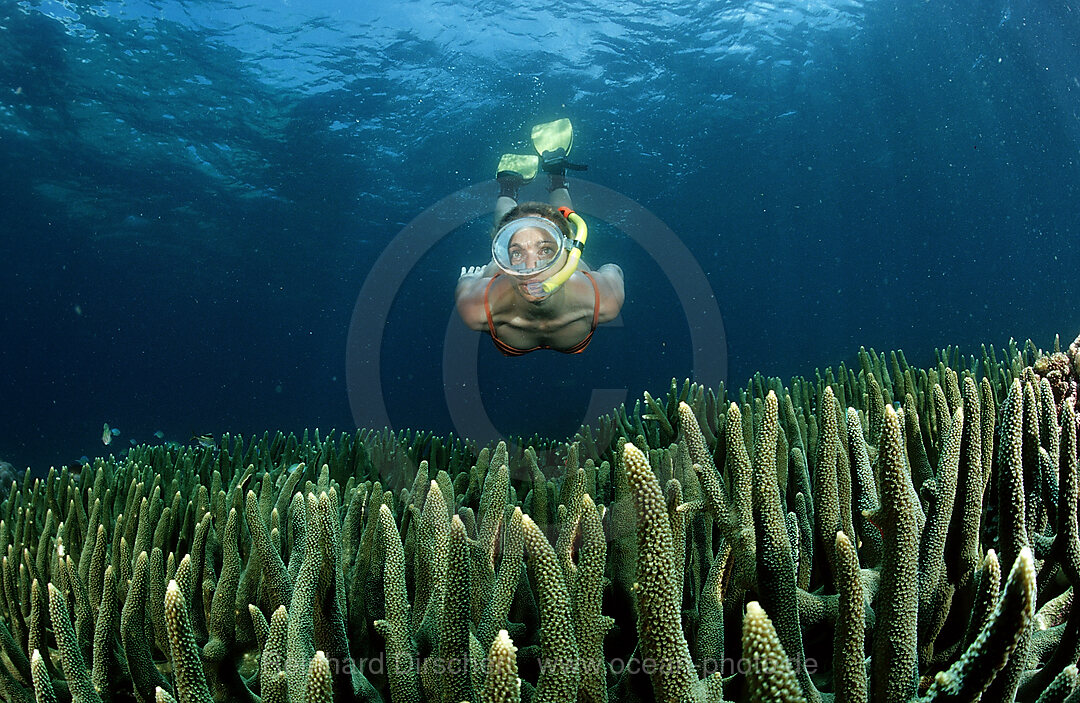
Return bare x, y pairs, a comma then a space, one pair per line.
609, 279
469, 296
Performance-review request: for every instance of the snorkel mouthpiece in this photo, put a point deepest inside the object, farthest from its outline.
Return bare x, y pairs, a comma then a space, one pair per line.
536, 289
581, 233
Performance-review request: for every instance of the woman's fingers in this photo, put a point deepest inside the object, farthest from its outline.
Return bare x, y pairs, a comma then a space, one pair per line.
471, 270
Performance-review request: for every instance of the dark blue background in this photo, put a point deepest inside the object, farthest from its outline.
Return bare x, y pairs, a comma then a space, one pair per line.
194, 193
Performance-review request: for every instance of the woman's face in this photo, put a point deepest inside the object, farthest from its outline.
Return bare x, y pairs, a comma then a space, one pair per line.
531, 247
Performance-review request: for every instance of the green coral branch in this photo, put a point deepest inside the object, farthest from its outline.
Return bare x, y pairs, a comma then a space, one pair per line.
187, 666
401, 649
75, 671
560, 672
896, 606
775, 565
969, 677
664, 643
770, 676
502, 684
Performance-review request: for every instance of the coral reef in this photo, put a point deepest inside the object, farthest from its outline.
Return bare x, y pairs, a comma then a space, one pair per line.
883, 531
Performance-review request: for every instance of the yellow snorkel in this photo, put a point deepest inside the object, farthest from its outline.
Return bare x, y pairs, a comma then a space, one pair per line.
577, 245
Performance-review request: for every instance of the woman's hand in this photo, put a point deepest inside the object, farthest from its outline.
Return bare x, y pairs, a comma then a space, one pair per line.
471, 272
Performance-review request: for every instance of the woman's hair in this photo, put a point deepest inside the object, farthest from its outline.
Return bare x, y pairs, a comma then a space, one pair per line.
548, 212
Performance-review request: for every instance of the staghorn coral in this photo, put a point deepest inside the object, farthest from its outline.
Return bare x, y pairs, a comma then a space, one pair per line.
769, 675
818, 541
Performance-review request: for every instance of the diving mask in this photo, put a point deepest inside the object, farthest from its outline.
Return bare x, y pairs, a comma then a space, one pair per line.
528, 246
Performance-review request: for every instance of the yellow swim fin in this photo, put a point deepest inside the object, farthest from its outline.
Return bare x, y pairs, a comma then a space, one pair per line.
553, 140
523, 165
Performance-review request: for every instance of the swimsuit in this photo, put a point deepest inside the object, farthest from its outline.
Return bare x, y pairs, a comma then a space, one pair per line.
508, 350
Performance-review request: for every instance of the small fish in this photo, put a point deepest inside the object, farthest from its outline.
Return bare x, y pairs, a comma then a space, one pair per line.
294, 467
205, 441
159, 434
106, 435
115, 432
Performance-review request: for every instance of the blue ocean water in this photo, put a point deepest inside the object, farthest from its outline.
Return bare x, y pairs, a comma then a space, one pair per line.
195, 194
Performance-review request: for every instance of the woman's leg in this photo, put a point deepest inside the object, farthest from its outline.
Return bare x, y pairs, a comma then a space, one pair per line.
503, 205
514, 171
558, 193
509, 183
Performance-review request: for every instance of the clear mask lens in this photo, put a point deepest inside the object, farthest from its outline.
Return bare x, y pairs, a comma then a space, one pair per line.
527, 246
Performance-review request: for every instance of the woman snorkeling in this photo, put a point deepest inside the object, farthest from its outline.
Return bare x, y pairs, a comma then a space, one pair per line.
537, 293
